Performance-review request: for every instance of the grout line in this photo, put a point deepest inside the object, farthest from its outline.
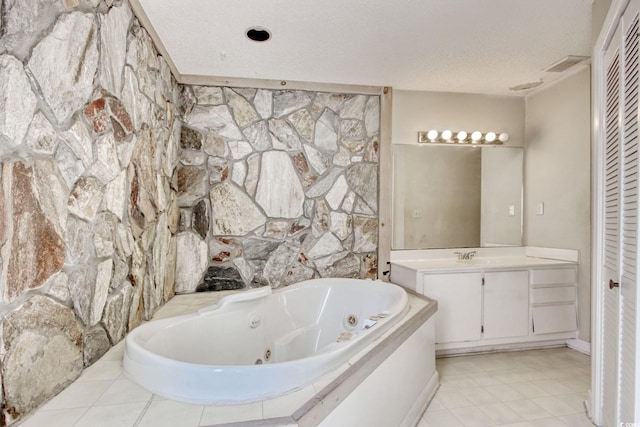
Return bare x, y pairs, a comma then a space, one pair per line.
144, 411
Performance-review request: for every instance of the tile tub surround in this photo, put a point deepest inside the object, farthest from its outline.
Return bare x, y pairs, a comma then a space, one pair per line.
103, 396
89, 141
276, 187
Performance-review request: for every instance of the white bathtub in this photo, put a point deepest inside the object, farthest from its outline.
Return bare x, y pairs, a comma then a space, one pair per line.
261, 343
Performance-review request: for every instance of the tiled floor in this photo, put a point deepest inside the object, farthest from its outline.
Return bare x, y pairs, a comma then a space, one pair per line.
537, 388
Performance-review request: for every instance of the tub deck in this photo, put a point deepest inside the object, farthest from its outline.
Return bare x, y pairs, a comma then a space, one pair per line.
103, 396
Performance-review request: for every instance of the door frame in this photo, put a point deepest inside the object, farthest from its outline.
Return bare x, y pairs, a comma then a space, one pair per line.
598, 73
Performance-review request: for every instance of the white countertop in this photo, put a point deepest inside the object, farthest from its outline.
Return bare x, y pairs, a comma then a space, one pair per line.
480, 263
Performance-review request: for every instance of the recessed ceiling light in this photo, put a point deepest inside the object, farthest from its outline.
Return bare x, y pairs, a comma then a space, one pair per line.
258, 34
526, 86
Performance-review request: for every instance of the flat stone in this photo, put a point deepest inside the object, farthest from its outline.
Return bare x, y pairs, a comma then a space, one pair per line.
218, 169
297, 273
41, 136
354, 145
85, 198
120, 115
371, 153
325, 138
280, 261
344, 264
242, 110
24, 23
335, 196
258, 136
288, 101
353, 108
247, 92
79, 241
105, 232
239, 173
363, 179
43, 342
300, 162
319, 162
239, 149
66, 78
278, 172
298, 226
352, 129
320, 224
215, 146
192, 184
221, 279
342, 158
17, 103
106, 165
340, 224
138, 105
303, 123
59, 287
333, 101
186, 99
258, 248
263, 101
372, 116
369, 267
120, 273
365, 231
215, 119
246, 270
69, 165
27, 226
362, 208
114, 27
78, 139
96, 344
276, 229
253, 170
192, 262
348, 202
115, 195
222, 249
201, 219
190, 139
171, 261
141, 52
100, 291
208, 95
233, 213
324, 184
328, 244
284, 136
192, 158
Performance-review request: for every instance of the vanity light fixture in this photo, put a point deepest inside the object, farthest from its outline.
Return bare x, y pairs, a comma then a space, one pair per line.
476, 138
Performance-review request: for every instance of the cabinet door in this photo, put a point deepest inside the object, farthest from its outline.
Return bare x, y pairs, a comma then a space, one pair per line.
459, 297
506, 304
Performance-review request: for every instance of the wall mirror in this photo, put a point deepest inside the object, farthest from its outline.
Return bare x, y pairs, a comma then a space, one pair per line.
448, 196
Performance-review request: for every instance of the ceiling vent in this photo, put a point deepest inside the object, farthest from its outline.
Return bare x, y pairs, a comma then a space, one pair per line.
565, 63
525, 86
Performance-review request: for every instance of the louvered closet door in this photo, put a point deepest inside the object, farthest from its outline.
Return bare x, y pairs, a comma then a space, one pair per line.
611, 246
628, 383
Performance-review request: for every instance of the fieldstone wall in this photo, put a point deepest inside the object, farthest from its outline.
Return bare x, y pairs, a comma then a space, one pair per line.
89, 143
275, 187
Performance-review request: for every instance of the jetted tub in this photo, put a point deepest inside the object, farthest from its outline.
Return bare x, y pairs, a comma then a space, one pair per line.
260, 343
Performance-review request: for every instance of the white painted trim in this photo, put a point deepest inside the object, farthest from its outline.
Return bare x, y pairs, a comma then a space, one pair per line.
385, 179
597, 95
579, 345
422, 402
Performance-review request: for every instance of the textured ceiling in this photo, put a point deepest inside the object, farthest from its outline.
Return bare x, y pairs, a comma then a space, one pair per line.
474, 46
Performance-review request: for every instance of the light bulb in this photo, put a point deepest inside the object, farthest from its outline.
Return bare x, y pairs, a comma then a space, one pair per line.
461, 136
447, 135
476, 137
432, 135
503, 137
490, 137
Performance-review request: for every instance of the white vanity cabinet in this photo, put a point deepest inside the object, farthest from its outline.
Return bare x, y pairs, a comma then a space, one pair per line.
485, 305
459, 297
477, 305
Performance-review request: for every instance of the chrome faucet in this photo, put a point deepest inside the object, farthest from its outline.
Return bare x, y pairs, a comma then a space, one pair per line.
465, 256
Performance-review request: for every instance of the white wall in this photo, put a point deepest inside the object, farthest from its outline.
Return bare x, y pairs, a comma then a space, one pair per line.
414, 111
557, 173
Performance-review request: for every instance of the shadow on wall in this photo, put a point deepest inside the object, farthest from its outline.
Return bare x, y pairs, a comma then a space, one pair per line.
275, 187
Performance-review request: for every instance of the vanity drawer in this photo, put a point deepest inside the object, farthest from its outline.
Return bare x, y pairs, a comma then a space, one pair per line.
553, 276
553, 295
551, 319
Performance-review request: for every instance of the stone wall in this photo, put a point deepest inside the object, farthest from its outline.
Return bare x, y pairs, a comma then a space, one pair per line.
275, 187
88, 148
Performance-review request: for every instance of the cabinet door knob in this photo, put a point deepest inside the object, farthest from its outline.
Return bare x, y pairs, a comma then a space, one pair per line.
613, 284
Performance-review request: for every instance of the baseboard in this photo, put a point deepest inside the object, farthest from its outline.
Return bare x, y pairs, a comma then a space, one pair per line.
422, 402
579, 345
